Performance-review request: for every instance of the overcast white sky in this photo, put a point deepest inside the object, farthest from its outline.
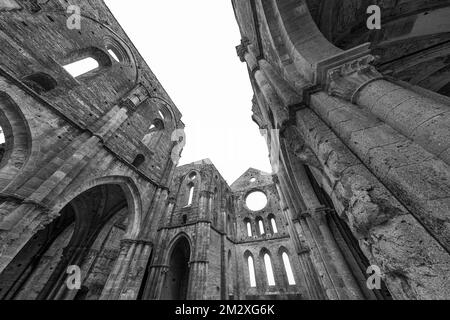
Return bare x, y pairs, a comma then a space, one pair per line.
190, 46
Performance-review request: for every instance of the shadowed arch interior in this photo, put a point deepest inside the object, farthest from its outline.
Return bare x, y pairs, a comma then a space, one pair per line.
177, 277
91, 225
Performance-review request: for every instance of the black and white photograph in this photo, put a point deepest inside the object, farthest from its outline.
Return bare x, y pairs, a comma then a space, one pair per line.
224, 157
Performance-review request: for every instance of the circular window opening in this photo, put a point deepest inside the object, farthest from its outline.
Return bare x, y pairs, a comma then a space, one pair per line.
256, 201
252, 179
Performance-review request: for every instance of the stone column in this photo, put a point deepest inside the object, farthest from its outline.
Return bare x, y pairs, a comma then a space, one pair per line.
204, 205
274, 102
125, 279
158, 214
314, 286
33, 218
420, 118
155, 282
416, 177
198, 266
158, 268
388, 235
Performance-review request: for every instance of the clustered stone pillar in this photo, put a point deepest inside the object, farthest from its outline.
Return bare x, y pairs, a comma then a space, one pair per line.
128, 271
336, 276
198, 265
158, 269
398, 134
314, 287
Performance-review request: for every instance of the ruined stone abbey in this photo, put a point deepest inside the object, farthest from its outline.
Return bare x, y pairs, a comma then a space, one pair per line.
357, 124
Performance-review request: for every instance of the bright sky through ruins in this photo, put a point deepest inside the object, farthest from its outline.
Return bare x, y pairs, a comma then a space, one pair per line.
193, 55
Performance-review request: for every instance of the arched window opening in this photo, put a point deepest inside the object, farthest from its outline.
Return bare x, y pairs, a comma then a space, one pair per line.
261, 226
2, 144
269, 270
274, 225
40, 82
155, 127
80, 67
249, 228
191, 194
251, 271
184, 218
288, 269
139, 160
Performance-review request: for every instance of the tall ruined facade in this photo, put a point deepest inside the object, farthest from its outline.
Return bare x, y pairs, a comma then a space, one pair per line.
87, 158
211, 245
358, 124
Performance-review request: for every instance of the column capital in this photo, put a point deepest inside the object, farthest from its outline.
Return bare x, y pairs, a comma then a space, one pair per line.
346, 74
242, 49
348, 80
318, 214
127, 243
304, 214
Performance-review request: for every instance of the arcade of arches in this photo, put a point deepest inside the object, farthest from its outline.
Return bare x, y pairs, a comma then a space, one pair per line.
93, 204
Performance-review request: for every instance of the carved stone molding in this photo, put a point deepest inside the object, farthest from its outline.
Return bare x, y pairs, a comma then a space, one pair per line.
344, 75
347, 80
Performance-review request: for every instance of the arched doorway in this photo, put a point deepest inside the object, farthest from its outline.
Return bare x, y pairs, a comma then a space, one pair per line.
177, 278
87, 234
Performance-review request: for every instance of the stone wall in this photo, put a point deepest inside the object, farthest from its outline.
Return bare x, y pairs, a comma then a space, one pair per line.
67, 135
357, 148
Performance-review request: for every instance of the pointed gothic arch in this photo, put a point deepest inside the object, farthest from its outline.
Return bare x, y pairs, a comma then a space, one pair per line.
176, 279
